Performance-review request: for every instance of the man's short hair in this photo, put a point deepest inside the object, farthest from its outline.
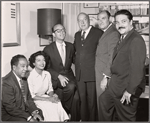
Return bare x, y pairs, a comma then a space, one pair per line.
53, 31
124, 12
15, 60
107, 12
87, 16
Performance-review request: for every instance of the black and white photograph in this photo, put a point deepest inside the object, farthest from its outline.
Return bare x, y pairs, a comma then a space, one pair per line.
75, 61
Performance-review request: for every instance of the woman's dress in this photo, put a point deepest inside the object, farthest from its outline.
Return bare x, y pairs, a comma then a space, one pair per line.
41, 85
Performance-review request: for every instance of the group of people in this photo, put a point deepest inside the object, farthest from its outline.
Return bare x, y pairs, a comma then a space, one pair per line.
109, 75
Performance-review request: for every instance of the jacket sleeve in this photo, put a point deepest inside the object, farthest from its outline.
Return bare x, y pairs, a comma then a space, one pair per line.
114, 38
53, 73
9, 102
137, 63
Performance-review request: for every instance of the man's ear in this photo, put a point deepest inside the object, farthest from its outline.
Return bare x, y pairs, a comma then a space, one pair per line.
53, 34
14, 67
34, 64
131, 22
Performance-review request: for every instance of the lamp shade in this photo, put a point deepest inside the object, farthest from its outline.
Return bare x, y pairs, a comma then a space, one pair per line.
46, 19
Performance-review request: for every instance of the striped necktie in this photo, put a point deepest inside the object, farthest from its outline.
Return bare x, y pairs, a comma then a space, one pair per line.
121, 39
23, 90
83, 37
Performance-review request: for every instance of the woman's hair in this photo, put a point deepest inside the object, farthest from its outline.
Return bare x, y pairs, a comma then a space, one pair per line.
34, 55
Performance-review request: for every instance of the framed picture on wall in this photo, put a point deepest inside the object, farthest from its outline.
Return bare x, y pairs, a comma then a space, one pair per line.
45, 40
91, 5
11, 30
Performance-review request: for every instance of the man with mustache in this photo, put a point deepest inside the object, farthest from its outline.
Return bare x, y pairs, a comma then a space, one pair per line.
126, 83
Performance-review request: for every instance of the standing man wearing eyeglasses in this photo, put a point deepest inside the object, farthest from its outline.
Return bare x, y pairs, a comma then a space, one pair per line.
61, 55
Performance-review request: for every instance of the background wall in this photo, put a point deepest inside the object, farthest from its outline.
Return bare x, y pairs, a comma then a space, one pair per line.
29, 37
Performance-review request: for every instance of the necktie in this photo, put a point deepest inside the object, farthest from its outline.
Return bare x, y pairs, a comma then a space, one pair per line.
23, 90
120, 41
82, 37
62, 54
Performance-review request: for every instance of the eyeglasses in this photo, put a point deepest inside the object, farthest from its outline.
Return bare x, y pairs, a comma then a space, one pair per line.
60, 30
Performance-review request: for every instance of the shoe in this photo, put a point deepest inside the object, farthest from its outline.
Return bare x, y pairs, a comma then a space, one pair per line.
69, 115
66, 120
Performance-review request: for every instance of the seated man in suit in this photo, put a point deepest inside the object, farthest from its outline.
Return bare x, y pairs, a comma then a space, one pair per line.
61, 55
17, 104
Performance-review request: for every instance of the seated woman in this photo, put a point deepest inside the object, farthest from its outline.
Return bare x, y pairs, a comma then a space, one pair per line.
41, 90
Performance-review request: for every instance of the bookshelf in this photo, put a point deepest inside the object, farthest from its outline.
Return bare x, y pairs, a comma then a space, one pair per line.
140, 12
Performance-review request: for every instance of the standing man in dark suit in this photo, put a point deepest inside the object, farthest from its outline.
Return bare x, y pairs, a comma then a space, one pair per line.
105, 51
61, 54
17, 104
85, 43
126, 83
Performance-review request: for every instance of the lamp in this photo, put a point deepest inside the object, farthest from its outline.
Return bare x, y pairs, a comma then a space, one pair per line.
46, 19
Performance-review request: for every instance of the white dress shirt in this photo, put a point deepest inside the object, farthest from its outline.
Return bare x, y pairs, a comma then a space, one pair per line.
86, 32
107, 27
18, 79
39, 84
59, 49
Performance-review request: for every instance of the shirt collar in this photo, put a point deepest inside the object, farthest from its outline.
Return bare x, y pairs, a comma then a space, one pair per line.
63, 43
86, 31
36, 74
107, 27
18, 79
127, 33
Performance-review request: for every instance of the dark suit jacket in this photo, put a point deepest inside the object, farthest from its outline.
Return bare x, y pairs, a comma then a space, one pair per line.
85, 55
12, 99
105, 51
128, 65
55, 65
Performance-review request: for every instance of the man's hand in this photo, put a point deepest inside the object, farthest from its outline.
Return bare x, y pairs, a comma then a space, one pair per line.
126, 96
103, 83
63, 80
36, 116
54, 99
51, 93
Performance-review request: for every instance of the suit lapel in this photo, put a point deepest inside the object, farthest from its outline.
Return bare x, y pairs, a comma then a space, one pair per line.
17, 83
124, 41
15, 80
107, 32
56, 53
91, 32
67, 53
